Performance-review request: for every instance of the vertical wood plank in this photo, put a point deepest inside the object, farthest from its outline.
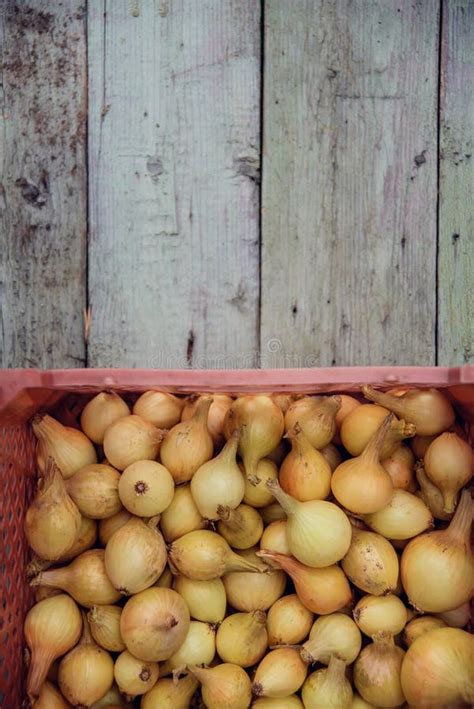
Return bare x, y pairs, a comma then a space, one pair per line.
174, 165
349, 182
43, 213
456, 188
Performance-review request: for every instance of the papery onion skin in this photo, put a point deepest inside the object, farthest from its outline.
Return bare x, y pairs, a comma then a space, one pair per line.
181, 516
85, 539
166, 578
333, 456
108, 527
111, 700
274, 537
437, 669
206, 600
224, 685
70, 449
160, 408
272, 513
131, 439
280, 673
242, 528
377, 673
457, 617
316, 416
305, 474
104, 623
334, 635
404, 517
134, 677
100, 412
154, 623
242, 638
288, 621
146, 488
380, 615
170, 693
249, 592
221, 403
94, 489
258, 495
420, 444
50, 698
360, 425
419, 626
437, 568
448, 465
52, 627
198, 647
401, 468
371, 563
348, 404
359, 703
328, 687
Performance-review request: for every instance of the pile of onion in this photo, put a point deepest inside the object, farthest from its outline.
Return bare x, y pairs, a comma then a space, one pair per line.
265, 549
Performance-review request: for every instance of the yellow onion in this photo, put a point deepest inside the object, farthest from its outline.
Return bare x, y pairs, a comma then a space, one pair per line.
222, 686
249, 592
361, 484
401, 468
166, 578
348, 404
437, 669
377, 673
86, 673
305, 474
321, 591
130, 439
430, 494
437, 568
204, 555
284, 401
135, 556
448, 465
457, 617
198, 647
272, 513
161, 409
360, 425
290, 702
85, 539
359, 703
85, 579
242, 638
111, 700
221, 403
52, 627
170, 693
280, 673
419, 626
380, 615
100, 412
154, 623
181, 516
70, 449
146, 488
219, 481
206, 600
405, 516
420, 444
109, 526
316, 416
428, 409
133, 676
328, 687
52, 521
332, 455
258, 495
104, 623
261, 426
318, 532
288, 621
94, 489
50, 698
371, 563
334, 635
274, 537
241, 528
189, 444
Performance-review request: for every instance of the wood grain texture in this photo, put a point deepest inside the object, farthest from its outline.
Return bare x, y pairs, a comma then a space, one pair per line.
349, 182
456, 221
42, 183
174, 165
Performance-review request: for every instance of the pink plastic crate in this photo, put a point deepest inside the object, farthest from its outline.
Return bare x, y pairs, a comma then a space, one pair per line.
63, 392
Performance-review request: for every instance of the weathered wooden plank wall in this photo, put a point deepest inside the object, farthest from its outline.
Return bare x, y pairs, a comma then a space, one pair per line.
174, 212
366, 114
456, 187
43, 208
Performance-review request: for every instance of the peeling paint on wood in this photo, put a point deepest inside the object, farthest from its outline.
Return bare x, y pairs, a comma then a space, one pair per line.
173, 194
456, 216
42, 183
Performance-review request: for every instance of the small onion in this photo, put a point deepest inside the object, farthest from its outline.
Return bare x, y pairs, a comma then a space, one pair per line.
170, 693
161, 409
280, 673
198, 647
249, 592
50, 698
328, 687
225, 685
242, 638
457, 617
259, 495
377, 673
332, 455
419, 626
134, 677
316, 416
181, 516
334, 635
304, 474
221, 403
94, 489
404, 517
109, 526
288, 621
348, 404
360, 425
371, 563
85, 539
100, 412
274, 538
377, 615
242, 528
70, 449
401, 466
206, 600
448, 465
420, 444
111, 700
437, 669
430, 494
130, 439
154, 623
146, 488
104, 623
272, 513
